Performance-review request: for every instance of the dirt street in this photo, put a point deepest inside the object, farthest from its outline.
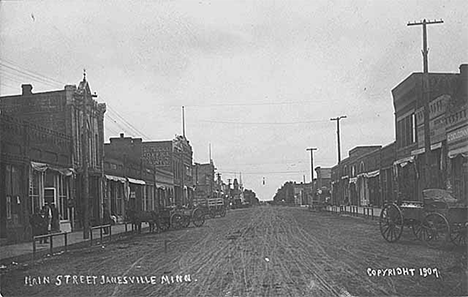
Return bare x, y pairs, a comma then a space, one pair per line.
262, 251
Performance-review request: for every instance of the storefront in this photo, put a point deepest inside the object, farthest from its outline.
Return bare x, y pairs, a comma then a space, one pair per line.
53, 186
136, 193
457, 167
406, 179
115, 195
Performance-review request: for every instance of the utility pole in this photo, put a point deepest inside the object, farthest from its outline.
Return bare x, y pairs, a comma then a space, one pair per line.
426, 99
337, 119
183, 121
311, 149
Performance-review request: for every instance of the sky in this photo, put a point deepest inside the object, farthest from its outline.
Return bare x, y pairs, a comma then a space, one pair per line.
260, 80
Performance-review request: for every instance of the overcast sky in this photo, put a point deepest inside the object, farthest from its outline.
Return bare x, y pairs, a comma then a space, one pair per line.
260, 79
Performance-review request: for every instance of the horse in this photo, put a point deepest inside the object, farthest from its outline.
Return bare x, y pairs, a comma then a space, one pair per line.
136, 217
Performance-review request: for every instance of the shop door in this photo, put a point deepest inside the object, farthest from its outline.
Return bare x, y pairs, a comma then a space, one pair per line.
50, 196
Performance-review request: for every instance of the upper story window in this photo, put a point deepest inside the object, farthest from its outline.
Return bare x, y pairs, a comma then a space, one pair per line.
407, 131
362, 167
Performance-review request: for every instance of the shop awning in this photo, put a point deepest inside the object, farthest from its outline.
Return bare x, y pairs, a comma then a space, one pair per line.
403, 162
373, 173
458, 151
41, 167
136, 181
164, 186
116, 178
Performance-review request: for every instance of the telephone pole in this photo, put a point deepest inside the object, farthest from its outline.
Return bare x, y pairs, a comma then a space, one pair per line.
337, 119
311, 149
183, 121
426, 98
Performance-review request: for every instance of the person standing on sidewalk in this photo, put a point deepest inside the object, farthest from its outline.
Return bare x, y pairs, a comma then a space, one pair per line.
36, 222
106, 220
48, 216
44, 224
55, 221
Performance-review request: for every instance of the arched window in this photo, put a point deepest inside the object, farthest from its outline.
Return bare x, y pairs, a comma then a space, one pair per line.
362, 167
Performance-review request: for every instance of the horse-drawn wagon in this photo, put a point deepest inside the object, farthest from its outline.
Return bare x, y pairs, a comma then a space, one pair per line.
437, 219
181, 217
167, 217
212, 206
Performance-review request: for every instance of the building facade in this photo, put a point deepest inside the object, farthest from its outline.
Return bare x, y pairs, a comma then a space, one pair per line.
74, 113
445, 89
35, 169
175, 156
143, 170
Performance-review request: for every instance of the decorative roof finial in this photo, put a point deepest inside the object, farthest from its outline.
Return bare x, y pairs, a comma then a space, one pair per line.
84, 74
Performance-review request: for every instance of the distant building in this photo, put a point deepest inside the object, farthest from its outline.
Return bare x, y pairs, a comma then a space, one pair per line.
355, 180
174, 156
204, 177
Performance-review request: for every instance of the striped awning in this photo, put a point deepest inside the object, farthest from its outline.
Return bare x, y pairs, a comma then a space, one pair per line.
116, 178
136, 181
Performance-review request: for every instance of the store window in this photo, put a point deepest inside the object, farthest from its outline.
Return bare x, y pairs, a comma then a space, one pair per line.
12, 181
63, 195
34, 186
8, 207
118, 208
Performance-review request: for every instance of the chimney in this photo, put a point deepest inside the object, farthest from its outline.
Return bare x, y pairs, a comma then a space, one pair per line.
27, 89
464, 78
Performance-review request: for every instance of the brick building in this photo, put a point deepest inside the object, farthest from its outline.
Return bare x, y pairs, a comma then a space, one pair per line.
204, 178
132, 184
409, 126
35, 168
353, 180
457, 138
72, 112
169, 160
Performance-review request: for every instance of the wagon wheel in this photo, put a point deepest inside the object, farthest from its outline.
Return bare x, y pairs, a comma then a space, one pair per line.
419, 232
391, 223
198, 217
164, 224
437, 228
458, 234
212, 213
185, 221
177, 221
223, 212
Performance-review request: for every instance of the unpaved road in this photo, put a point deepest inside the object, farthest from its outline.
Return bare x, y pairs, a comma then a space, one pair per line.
262, 251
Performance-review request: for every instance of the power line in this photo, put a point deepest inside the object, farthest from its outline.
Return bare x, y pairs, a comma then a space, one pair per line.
17, 74
263, 123
127, 123
29, 72
264, 173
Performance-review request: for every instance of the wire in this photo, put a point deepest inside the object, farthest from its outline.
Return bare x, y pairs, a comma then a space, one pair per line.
264, 123
264, 173
31, 75
15, 73
127, 123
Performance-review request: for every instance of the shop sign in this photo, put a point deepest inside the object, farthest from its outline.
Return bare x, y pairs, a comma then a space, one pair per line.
457, 135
